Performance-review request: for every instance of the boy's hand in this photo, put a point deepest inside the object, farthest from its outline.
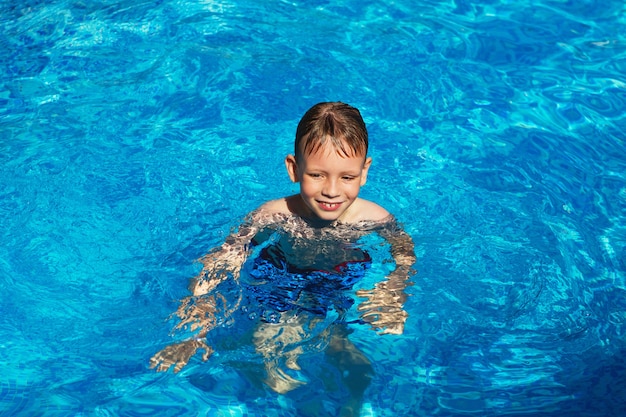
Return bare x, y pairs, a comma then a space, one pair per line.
198, 312
383, 314
383, 307
178, 355
386, 322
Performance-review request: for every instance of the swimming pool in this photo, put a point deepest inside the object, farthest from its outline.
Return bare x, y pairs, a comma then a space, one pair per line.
135, 135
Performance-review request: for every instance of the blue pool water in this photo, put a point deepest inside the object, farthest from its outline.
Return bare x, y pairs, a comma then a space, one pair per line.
135, 135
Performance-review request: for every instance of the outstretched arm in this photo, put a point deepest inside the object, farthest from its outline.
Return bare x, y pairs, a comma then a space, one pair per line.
384, 304
202, 311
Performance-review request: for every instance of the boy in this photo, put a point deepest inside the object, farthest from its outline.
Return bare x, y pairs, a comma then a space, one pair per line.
298, 256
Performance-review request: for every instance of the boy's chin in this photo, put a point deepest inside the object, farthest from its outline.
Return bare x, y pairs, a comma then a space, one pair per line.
327, 216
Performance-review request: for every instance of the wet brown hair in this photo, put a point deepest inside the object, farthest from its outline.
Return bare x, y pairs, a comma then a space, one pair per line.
337, 123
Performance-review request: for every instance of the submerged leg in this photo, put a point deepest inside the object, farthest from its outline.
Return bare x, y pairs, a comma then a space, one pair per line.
278, 380
278, 343
356, 370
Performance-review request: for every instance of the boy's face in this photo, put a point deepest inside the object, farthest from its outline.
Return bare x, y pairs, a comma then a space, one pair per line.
329, 182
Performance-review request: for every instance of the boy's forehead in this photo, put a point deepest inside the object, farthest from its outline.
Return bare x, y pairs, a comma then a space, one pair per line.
332, 159
328, 146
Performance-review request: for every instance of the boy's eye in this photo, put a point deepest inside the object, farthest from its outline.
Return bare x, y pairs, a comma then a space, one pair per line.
347, 178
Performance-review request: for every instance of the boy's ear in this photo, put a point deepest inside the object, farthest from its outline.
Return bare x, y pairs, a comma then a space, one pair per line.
292, 168
366, 167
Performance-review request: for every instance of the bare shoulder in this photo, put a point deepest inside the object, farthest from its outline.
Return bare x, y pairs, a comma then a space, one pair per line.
365, 210
271, 212
280, 205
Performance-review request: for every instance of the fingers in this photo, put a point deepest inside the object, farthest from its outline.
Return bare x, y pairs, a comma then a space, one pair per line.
157, 360
178, 355
163, 367
207, 352
395, 328
179, 366
383, 322
159, 366
161, 363
168, 357
392, 328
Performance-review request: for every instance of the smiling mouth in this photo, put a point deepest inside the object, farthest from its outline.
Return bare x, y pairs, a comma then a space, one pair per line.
329, 206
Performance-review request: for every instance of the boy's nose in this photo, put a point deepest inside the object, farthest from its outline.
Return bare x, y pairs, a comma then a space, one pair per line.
331, 188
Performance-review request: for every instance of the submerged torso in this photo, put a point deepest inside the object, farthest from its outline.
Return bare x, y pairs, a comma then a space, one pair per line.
295, 266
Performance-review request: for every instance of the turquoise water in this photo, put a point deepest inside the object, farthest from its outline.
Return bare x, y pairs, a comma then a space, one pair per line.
135, 135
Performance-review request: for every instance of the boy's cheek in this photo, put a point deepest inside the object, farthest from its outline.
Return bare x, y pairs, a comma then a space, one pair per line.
306, 185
